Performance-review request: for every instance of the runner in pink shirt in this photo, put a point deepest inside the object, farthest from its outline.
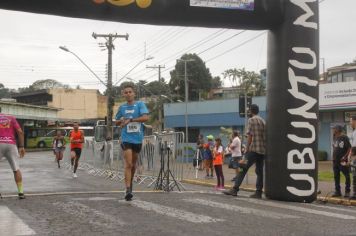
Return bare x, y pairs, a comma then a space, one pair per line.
9, 128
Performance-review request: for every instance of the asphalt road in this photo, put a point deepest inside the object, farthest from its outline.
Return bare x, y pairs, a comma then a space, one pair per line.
52, 210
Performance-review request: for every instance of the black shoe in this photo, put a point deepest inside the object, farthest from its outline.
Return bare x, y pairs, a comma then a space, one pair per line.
128, 196
257, 195
347, 195
21, 196
232, 192
336, 194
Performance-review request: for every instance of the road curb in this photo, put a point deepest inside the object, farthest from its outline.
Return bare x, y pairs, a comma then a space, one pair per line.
332, 200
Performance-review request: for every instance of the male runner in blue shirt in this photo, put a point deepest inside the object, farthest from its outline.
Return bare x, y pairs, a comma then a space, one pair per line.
130, 117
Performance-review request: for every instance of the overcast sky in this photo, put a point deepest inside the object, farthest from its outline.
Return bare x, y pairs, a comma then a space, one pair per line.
29, 47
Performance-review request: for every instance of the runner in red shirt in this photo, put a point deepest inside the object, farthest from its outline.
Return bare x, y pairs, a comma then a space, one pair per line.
9, 127
76, 138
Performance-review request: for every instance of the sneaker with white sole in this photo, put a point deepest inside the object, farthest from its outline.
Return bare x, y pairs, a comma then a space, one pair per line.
75, 175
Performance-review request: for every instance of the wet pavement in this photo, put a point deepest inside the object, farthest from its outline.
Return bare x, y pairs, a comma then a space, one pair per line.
57, 204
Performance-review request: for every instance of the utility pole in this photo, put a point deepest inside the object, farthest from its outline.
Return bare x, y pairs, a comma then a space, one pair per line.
110, 102
159, 67
186, 97
324, 75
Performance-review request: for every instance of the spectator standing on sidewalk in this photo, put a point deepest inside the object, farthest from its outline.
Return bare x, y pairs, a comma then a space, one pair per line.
353, 155
218, 154
255, 152
200, 149
341, 151
236, 154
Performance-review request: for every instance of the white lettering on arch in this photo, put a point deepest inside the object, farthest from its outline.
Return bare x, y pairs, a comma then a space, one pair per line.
301, 140
301, 65
299, 192
310, 101
302, 20
301, 156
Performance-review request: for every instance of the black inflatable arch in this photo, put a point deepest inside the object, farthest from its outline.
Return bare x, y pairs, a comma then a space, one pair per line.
293, 61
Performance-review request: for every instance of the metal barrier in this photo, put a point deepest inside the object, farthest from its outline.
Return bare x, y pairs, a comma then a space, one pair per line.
105, 158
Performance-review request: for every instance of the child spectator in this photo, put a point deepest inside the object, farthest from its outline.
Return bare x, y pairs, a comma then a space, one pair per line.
218, 153
208, 156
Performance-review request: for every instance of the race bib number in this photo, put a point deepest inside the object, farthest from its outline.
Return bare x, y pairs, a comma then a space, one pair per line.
134, 127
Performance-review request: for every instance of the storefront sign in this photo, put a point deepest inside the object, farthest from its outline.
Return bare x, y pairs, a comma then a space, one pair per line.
337, 95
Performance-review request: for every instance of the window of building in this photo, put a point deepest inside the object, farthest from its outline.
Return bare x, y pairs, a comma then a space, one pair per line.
334, 78
350, 76
339, 77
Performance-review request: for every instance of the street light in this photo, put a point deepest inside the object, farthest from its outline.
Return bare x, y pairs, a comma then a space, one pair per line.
64, 48
186, 96
123, 77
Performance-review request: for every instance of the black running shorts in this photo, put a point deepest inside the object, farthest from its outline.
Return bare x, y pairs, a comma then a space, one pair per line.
133, 146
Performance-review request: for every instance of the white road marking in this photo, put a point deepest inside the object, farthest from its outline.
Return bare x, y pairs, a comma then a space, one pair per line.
11, 224
350, 210
243, 210
88, 214
297, 208
94, 199
173, 212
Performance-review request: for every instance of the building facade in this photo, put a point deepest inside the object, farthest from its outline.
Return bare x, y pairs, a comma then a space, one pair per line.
208, 117
74, 104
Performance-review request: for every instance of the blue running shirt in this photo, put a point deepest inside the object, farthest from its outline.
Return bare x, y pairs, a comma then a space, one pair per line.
133, 132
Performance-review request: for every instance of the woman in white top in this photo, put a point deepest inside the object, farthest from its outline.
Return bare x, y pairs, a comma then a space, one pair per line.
235, 149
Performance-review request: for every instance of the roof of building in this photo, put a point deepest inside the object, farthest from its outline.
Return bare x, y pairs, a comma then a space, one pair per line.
28, 105
342, 68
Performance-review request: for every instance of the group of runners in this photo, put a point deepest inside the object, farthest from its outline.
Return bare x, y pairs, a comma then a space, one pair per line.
130, 117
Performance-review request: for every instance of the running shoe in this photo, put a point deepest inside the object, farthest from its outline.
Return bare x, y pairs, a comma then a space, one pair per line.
221, 188
75, 175
128, 196
21, 196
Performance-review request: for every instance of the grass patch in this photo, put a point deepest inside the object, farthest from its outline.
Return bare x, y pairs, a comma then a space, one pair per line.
328, 176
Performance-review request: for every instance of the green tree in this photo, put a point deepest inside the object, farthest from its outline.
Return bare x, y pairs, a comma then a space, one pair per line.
353, 63
199, 77
4, 92
216, 82
43, 84
245, 80
158, 88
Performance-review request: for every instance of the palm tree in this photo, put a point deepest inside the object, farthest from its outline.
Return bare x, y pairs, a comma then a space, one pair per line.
248, 81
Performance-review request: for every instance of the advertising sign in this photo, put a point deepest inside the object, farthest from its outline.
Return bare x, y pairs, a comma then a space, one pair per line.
229, 4
337, 95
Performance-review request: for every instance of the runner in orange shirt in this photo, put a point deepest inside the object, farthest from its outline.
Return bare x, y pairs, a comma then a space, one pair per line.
76, 138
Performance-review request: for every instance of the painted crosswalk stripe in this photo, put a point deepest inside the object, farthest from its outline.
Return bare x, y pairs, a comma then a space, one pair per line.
350, 210
173, 212
297, 208
11, 224
243, 210
93, 216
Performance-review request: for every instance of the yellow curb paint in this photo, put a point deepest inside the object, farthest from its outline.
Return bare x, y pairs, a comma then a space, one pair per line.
202, 183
